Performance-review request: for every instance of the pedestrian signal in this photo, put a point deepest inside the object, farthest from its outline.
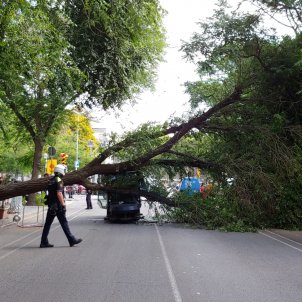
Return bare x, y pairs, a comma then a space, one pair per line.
63, 158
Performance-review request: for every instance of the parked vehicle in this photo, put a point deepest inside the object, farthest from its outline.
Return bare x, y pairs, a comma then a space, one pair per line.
123, 206
81, 190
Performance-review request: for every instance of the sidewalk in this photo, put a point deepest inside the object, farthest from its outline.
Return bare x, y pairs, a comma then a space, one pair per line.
33, 215
27, 216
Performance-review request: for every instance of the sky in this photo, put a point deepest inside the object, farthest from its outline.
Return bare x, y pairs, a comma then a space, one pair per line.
169, 98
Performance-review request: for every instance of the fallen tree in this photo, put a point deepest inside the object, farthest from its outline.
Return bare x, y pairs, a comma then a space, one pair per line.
173, 134
250, 137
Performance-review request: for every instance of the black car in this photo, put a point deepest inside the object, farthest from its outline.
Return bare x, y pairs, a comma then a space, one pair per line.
123, 206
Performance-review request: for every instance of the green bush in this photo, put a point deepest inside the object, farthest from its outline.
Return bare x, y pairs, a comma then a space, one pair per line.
288, 211
40, 199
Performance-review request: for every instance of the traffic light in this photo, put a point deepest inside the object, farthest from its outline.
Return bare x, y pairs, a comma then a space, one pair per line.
63, 158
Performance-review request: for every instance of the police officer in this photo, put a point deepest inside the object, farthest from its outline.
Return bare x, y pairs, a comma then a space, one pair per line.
57, 208
88, 199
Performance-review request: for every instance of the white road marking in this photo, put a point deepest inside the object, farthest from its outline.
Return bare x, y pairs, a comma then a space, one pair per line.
294, 241
37, 237
293, 247
176, 293
39, 230
21, 238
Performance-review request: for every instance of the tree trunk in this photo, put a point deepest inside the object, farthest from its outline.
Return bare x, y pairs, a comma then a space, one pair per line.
36, 167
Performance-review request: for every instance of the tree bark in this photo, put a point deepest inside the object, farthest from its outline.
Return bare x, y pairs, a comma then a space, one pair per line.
96, 166
36, 167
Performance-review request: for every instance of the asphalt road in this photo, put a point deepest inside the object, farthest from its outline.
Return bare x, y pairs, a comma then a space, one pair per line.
146, 262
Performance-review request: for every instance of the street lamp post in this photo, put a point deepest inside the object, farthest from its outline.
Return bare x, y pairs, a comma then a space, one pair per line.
90, 145
45, 158
76, 163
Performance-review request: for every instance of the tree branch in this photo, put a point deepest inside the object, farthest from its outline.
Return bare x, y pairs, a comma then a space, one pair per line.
96, 166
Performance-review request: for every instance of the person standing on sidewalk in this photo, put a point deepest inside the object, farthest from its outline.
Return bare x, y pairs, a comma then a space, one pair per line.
57, 208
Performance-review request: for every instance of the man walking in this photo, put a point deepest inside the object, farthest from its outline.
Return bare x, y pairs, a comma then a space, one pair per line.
57, 208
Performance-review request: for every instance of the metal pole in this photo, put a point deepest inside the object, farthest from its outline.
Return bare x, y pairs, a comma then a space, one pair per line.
46, 158
77, 145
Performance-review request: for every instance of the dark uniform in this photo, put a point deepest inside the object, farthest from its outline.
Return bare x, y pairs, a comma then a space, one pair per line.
88, 199
55, 209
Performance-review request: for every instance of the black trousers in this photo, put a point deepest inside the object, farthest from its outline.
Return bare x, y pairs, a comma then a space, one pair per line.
88, 201
61, 215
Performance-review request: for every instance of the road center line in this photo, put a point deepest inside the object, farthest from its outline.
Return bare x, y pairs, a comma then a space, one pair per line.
281, 241
172, 279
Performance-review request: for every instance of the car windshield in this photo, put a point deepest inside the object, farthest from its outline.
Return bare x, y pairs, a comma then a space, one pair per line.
126, 198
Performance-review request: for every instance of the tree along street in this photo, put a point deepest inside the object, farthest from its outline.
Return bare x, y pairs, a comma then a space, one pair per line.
243, 129
146, 262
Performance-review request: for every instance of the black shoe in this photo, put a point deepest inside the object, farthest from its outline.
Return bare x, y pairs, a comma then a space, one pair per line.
42, 245
76, 241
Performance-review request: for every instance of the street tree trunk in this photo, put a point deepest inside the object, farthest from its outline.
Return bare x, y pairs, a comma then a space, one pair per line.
36, 167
